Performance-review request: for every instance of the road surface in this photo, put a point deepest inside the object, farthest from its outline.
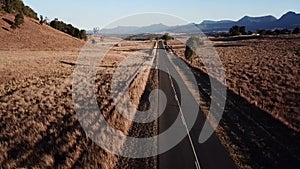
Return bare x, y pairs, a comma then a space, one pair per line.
188, 154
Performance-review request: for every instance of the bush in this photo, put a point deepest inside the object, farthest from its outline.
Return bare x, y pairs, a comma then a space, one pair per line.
191, 46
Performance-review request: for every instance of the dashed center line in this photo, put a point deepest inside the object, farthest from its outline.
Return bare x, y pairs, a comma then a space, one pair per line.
184, 122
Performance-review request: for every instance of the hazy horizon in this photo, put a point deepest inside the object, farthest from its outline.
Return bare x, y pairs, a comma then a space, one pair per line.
93, 13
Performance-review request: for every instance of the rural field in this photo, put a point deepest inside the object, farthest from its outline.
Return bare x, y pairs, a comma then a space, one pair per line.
264, 71
36, 102
262, 77
39, 127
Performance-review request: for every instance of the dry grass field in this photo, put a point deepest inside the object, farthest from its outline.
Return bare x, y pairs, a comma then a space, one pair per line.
264, 71
260, 124
34, 37
38, 125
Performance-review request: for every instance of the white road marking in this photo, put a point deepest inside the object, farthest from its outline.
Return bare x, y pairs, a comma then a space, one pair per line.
184, 122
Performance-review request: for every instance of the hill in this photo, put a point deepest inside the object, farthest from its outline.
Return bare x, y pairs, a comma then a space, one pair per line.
33, 36
289, 20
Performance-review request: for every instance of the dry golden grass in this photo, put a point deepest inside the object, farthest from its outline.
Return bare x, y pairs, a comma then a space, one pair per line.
260, 124
33, 36
39, 127
266, 72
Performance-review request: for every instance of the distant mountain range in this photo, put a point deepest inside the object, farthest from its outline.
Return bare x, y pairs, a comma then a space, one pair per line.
289, 20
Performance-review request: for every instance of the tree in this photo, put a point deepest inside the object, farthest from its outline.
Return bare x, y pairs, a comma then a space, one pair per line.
261, 32
96, 30
296, 31
237, 30
167, 37
269, 32
8, 6
276, 31
19, 19
83, 35
285, 31
17, 6
42, 20
69, 29
234, 30
242, 30
30, 12
191, 46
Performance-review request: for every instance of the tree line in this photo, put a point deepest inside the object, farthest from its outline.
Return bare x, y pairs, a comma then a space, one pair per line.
241, 30
21, 10
69, 29
17, 6
278, 31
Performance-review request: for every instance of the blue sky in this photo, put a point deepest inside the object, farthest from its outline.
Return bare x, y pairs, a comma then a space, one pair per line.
87, 14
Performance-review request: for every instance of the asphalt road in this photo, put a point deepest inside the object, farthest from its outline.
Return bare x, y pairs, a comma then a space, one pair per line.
188, 154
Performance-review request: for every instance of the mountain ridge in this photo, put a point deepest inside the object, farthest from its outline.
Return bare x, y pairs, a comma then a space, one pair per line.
289, 20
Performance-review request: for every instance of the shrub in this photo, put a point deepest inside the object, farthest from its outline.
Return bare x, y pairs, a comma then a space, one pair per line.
191, 46
13, 26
